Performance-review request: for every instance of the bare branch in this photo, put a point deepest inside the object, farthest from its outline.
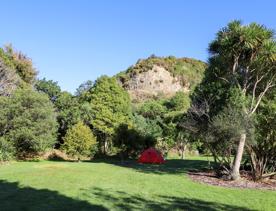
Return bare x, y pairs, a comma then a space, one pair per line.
268, 86
254, 90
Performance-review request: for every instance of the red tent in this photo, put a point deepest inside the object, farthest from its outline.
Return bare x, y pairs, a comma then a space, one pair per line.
151, 155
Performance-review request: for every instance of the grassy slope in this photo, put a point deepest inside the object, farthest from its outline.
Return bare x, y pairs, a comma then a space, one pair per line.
102, 185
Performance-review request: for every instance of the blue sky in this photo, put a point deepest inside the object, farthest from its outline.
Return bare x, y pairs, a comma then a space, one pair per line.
71, 41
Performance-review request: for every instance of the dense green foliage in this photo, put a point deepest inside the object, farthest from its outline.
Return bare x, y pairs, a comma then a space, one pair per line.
69, 108
110, 107
68, 112
28, 121
79, 141
152, 109
49, 87
105, 106
154, 123
179, 102
263, 150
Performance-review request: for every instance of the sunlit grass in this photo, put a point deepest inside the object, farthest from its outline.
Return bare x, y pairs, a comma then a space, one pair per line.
108, 184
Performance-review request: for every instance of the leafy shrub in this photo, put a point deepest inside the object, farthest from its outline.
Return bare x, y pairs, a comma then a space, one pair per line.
179, 102
79, 141
151, 109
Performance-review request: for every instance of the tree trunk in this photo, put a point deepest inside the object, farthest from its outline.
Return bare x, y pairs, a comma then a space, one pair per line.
105, 147
235, 174
182, 154
183, 151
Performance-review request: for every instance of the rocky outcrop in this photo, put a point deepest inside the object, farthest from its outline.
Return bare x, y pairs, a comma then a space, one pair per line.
161, 77
153, 83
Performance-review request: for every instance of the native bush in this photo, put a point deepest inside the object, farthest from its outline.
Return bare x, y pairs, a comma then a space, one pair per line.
28, 121
179, 102
152, 109
263, 150
79, 141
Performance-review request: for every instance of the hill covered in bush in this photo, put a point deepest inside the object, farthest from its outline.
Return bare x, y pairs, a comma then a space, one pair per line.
161, 77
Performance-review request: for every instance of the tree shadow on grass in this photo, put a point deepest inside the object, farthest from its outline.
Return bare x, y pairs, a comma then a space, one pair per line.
172, 166
120, 200
14, 197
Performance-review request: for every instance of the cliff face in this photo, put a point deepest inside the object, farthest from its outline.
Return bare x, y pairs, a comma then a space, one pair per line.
153, 83
161, 77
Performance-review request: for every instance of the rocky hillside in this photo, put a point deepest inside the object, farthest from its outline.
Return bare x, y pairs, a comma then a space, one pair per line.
158, 77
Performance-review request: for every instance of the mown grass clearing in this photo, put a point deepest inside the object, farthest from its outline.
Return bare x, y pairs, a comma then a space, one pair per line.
108, 185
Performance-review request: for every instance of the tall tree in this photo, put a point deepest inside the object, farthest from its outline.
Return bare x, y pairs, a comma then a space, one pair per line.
110, 107
242, 57
28, 121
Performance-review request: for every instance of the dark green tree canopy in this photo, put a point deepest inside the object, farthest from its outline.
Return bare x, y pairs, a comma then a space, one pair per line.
152, 109
68, 110
110, 105
49, 87
28, 121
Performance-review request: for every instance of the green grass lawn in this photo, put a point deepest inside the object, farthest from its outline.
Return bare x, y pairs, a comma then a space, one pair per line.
108, 185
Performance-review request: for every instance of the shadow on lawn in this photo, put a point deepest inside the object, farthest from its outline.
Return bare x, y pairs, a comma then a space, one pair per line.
13, 197
123, 201
172, 166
